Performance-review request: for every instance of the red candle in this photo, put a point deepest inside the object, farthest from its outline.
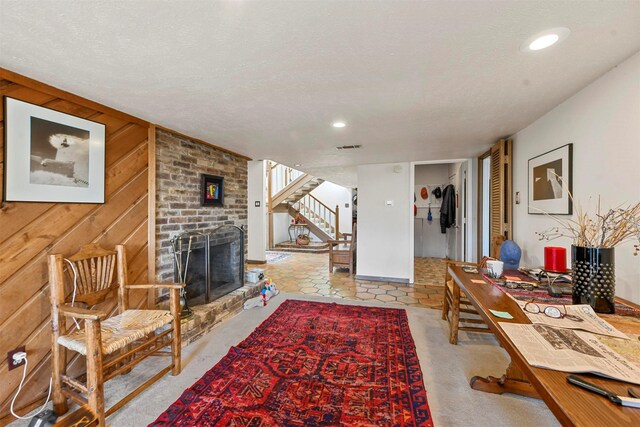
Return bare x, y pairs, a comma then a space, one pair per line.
555, 259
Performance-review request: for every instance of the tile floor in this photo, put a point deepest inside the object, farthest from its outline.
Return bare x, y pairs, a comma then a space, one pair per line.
309, 274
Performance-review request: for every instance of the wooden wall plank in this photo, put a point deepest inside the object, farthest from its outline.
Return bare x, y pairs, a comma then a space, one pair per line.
15, 216
70, 108
17, 250
108, 236
113, 124
27, 94
30, 231
119, 174
4, 83
33, 276
122, 139
126, 230
39, 373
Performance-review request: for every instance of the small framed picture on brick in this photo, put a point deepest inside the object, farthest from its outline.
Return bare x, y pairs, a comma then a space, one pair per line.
212, 190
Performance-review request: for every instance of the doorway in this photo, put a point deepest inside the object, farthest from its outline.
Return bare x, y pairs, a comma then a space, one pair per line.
430, 245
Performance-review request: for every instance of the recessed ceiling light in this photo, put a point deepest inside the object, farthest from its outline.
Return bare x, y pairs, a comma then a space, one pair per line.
338, 124
544, 42
545, 39
298, 165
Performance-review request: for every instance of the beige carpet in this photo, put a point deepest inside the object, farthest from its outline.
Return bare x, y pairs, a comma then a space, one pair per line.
446, 369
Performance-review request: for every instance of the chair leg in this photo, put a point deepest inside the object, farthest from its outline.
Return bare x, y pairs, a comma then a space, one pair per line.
174, 301
58, 364
445, 306
455, 315
95, 383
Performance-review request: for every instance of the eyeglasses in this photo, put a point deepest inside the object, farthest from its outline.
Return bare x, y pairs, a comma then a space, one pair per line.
551, 311
527, 286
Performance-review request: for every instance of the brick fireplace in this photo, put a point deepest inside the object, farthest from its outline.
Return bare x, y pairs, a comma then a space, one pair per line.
180, 161
210, 262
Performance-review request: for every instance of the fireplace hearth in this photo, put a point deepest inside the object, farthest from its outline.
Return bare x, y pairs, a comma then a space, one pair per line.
210, 263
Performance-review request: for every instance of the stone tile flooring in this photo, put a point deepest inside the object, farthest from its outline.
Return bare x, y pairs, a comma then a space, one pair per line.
429, 272
309, 274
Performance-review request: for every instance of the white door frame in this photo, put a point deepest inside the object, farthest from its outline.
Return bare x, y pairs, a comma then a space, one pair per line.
472, 201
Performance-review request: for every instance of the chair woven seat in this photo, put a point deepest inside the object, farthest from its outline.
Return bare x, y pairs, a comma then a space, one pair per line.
120, 330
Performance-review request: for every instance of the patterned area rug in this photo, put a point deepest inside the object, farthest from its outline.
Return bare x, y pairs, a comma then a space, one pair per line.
312, 364
275, 257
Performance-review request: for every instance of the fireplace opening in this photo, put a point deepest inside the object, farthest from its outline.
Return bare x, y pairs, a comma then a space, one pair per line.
211, 264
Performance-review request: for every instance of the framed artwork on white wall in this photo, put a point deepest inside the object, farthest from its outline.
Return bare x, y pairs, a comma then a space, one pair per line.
550, 180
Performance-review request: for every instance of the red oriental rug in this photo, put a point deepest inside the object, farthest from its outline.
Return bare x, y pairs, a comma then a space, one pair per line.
312, 364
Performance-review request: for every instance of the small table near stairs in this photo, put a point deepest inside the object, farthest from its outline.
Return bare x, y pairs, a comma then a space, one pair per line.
297, 228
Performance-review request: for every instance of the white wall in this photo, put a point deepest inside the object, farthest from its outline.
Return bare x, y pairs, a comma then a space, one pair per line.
384, 231
603, 123
428, 239
281, 222
331, 195
471, 252
257, 216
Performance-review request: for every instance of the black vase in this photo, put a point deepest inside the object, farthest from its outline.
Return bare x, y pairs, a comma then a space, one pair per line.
594, 278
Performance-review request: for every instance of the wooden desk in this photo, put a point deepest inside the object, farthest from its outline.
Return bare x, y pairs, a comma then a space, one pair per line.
572, 405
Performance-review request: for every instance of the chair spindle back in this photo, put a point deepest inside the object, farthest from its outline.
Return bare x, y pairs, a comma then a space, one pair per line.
94, 268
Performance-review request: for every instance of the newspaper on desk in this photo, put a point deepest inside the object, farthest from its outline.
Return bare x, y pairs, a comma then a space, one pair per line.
571, 350
585, 319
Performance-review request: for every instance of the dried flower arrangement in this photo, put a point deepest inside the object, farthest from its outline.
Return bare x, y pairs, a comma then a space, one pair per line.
600, 229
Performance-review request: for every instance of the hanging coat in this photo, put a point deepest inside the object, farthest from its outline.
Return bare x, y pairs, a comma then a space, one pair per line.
448, 208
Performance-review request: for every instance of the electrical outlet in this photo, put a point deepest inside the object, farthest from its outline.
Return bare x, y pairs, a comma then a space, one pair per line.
13, 365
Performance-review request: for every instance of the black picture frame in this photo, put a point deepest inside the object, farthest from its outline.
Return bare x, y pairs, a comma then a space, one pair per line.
51, 156
211, 190
550, 182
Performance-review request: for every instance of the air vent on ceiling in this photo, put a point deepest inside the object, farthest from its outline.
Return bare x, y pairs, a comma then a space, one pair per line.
348, 147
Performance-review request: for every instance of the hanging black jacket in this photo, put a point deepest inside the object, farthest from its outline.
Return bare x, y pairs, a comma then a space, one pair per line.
448, 208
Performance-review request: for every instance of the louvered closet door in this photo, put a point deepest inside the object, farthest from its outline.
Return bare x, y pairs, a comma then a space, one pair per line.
500, 207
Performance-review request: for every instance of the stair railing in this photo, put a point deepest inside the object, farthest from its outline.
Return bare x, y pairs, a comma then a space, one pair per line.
325, 218
281, 176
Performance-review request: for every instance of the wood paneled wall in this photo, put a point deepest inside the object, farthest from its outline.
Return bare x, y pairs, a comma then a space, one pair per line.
31, 231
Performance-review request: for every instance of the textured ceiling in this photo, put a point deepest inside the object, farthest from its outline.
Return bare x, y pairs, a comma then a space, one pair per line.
414, 80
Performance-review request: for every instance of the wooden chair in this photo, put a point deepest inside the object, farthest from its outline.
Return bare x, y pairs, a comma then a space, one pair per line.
464, 316
112, 343
342, 253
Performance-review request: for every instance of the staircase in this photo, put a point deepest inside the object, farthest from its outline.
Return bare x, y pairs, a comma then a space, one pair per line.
289, 192
321, 219
294, 191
